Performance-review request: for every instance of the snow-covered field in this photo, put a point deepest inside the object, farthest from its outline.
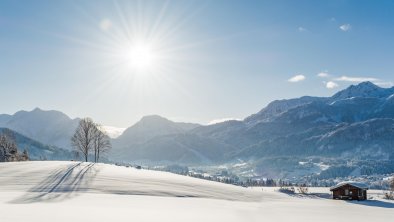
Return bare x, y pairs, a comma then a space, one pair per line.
73, 191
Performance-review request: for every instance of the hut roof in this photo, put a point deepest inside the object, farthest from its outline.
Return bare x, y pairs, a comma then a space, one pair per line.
351, 183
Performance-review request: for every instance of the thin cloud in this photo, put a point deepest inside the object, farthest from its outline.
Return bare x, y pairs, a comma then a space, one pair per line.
331, 85
302, 29
297, 78
345, 27
384, 84
356, 79
323, 74
375, 81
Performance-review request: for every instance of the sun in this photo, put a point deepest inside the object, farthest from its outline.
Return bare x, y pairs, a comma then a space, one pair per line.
141, 56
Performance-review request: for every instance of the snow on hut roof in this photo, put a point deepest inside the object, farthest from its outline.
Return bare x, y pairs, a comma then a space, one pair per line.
351, 183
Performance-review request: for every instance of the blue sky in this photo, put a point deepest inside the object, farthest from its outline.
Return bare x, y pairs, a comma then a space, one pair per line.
206, 60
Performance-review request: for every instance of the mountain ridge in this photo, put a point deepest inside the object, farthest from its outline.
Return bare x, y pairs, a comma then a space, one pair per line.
49, 127
301, 126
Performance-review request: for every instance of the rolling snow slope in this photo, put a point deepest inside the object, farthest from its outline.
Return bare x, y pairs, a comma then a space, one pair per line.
71, 178
73, 191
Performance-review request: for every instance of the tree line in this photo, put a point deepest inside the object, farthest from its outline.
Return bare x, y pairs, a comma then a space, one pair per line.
9, 148
90, 139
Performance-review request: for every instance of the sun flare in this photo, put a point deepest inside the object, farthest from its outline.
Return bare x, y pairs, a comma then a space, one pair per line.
141, 57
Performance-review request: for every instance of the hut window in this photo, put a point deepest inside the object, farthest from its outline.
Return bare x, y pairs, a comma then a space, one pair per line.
346, 192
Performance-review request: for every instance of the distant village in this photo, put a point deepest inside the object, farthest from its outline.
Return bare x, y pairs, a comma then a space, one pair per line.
380, 181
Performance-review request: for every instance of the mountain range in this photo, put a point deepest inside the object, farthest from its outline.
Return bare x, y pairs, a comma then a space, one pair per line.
355, 123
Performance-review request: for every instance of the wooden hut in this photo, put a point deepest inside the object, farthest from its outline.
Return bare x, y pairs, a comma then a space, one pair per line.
349, 190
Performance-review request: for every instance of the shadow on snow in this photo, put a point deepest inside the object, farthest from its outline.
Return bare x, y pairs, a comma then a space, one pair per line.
373, 203
61, 184
370, 203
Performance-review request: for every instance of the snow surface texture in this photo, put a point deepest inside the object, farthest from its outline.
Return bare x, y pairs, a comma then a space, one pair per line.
73, 191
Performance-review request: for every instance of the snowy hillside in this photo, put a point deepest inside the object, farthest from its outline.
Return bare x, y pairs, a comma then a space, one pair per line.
73, 191
278, 107
37, 150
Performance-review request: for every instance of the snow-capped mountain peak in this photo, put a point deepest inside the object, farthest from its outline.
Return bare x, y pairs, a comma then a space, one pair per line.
364, 89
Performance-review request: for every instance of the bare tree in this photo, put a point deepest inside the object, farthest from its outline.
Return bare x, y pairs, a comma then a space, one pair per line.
83, 138
101, 142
